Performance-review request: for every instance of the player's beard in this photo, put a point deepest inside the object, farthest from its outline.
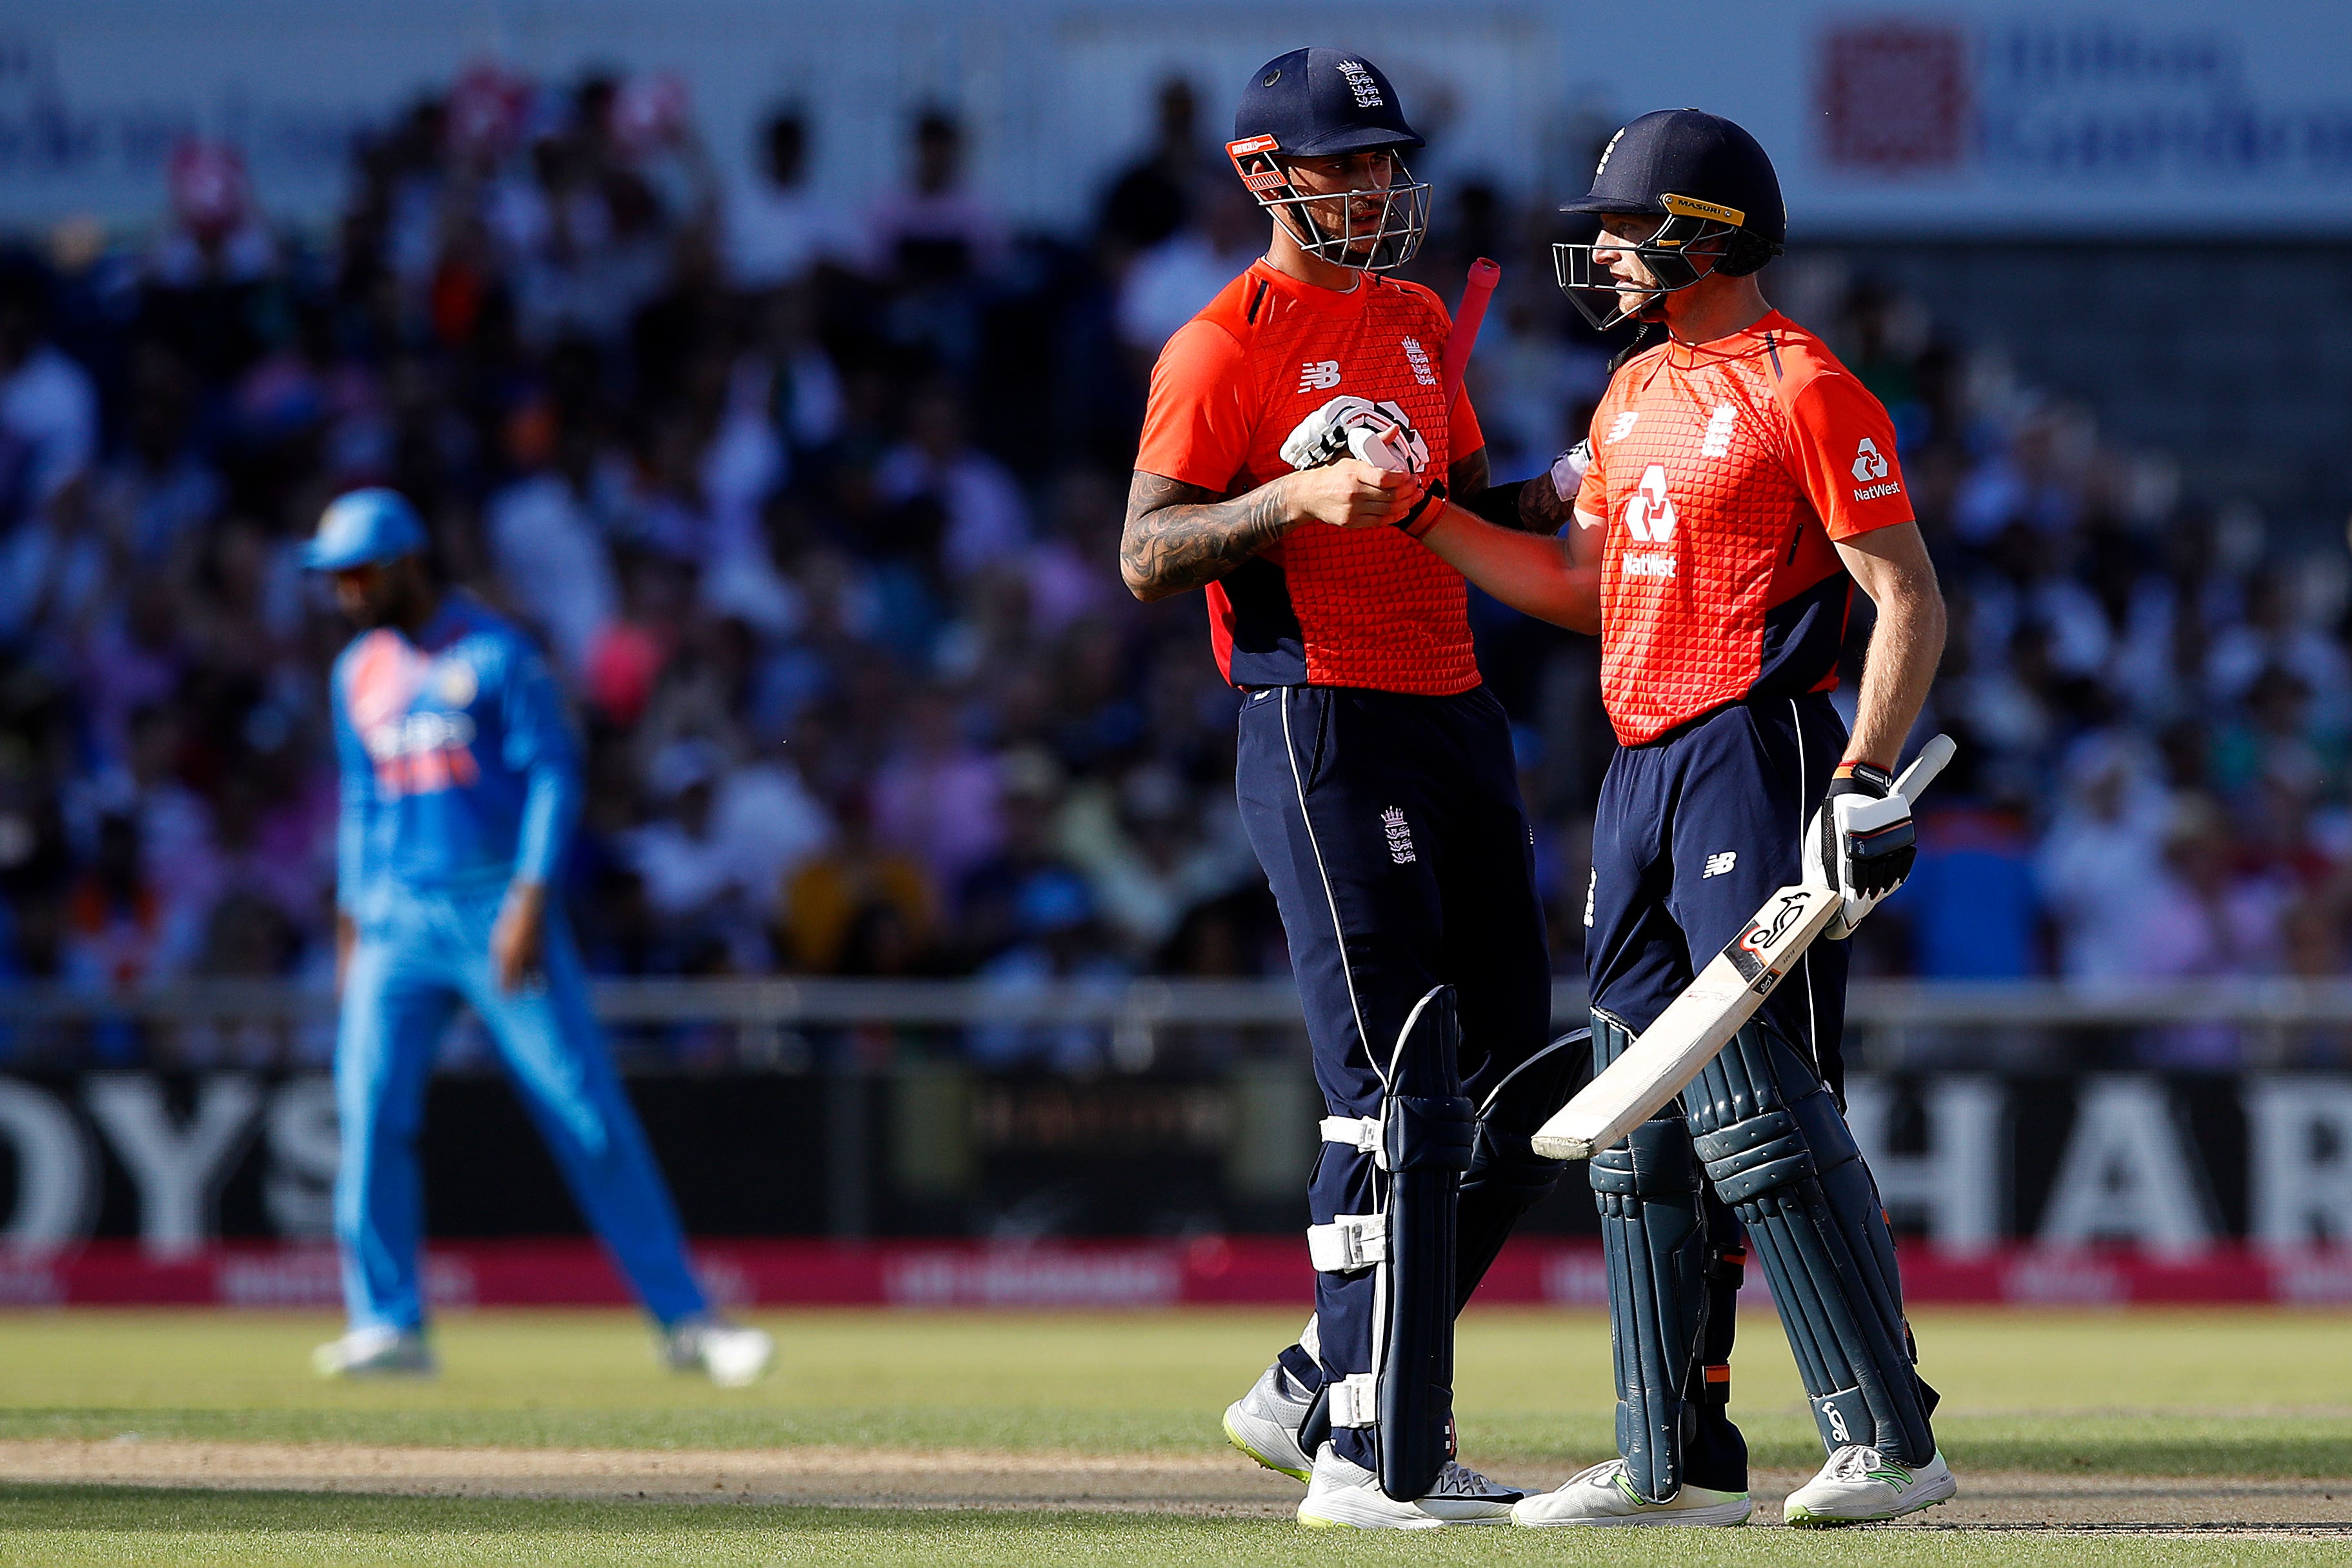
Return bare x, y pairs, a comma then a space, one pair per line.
1346, 216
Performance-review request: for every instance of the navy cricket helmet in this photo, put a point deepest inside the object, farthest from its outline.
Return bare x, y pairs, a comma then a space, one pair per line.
1328, 103
1707, 179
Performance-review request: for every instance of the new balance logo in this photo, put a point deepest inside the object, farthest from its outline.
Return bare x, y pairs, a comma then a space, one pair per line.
1418, 357
1400, 835
1619, 426
1720, 865
1319, 375
1717, 440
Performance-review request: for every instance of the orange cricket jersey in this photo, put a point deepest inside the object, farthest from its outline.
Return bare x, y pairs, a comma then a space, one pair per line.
1722, 473
1324, 606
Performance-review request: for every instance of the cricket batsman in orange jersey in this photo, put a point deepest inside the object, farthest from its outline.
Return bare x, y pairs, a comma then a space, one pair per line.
1737, 484
1298, 431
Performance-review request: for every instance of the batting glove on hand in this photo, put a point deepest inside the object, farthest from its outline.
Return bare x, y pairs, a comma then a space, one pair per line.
1568, 470
1379, 433
1860, 843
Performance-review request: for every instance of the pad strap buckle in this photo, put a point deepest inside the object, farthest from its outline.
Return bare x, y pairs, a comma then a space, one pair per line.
1355, 1400
1350, 1243
1361, 1133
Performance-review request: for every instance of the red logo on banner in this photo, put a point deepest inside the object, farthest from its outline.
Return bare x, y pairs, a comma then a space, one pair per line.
1893, 97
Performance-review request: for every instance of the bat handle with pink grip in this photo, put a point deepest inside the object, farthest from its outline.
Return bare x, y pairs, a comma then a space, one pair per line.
1476, 292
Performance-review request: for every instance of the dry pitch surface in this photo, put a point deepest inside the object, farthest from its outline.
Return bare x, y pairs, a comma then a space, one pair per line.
169, 1437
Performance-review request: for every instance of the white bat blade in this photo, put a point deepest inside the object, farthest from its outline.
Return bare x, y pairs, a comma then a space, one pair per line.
1693, 1027
1698, 1023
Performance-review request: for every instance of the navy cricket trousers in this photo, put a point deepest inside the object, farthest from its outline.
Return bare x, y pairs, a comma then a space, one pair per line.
1693, 832
1390, 829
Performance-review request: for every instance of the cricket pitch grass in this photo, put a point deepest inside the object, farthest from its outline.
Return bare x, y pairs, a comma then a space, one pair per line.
1034, 1439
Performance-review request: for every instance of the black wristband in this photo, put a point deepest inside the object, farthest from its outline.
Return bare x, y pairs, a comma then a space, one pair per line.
1868, 776
1429, 504
1499, 503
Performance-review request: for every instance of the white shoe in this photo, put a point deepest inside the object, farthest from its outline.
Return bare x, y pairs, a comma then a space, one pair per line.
375, 1353
1265, 1422
1605, 1495
1346, 1495
1859, 1485
733, 1355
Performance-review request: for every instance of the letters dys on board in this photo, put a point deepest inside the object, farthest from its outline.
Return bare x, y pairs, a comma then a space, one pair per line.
2167, 1166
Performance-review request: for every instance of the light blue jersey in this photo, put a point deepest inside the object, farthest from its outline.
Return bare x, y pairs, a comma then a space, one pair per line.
460, 774
459, 767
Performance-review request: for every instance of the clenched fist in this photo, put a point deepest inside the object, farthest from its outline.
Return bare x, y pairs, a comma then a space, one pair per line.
1351, 493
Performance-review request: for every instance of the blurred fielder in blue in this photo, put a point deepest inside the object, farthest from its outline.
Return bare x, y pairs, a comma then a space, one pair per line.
460, 784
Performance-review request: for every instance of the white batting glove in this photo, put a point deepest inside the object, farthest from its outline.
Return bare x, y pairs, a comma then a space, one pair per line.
1322, 436
1567, 469
1860, 844
1379, 433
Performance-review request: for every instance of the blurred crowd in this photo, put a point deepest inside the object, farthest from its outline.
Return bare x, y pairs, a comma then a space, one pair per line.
816, 512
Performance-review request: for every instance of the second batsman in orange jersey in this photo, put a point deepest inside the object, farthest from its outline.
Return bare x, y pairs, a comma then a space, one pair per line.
1736, 486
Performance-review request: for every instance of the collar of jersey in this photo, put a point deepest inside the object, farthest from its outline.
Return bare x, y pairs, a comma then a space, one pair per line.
1730, 346
449, 622
1322, 301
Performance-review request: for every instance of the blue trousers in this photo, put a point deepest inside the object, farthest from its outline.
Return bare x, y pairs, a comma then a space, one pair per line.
417, 957
1390, 829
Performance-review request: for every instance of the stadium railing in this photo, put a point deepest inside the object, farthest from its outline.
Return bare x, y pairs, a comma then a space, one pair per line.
768, 1024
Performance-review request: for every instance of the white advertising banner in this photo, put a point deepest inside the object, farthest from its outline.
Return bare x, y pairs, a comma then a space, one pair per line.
1980, 116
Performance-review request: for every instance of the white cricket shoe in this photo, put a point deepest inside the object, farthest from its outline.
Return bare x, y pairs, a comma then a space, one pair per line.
732, 1354
375, 1353
1859, 1485
1346, 1495
1605, 1494
1265, 1422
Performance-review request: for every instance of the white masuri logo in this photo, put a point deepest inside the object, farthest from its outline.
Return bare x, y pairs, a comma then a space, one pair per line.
1319, 375
1869, 461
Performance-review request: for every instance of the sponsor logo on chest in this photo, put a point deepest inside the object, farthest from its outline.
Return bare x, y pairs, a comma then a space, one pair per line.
1319, 375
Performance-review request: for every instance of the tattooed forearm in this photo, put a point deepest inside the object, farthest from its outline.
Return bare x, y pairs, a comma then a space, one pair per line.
1542, 510
1180, 537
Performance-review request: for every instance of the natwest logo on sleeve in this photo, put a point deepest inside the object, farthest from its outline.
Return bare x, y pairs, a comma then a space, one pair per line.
1870, 463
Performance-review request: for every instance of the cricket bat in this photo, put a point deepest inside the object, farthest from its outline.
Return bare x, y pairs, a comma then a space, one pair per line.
1696, 1025
1476, 290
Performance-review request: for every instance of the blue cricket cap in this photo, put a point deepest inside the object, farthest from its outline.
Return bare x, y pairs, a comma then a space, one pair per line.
1318, 103
361, 529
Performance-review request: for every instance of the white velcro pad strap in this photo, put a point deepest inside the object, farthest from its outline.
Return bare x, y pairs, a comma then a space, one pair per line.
1355, 1400
1359, 1132
1350, 1242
